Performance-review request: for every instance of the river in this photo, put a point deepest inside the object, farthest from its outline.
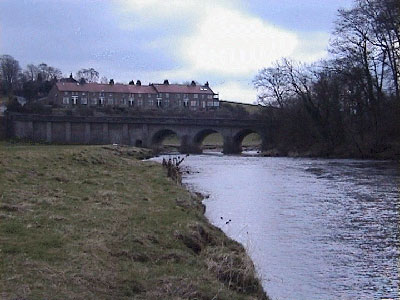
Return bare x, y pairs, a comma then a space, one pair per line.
315, 228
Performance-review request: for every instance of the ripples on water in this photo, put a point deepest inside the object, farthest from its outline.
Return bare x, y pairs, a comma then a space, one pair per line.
315, 228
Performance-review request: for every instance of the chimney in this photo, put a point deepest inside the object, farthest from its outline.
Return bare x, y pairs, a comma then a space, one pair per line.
131, 82
138, 82
166, 82
111, 82
207, 85
193, 83
70, 76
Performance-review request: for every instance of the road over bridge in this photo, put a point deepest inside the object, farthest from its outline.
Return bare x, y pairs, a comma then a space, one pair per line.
138, 131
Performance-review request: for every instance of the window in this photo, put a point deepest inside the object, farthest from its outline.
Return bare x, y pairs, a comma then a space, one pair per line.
210, 103
74, 99
166, 103
151, 102
159, 96
123, 101
65, 100
178, 96
140, 102
102, 94
185, 95
110, 94
216, 103
140, 95
84, 101
83, 94
166, 95
101, 101
209, 96
148, 95
93, 101
110, 101
185, 102
195, 96
202, 96
193, 103
65, 93
131, 101
159, 102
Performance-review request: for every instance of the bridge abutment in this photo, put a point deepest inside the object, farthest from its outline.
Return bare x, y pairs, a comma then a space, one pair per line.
230, 146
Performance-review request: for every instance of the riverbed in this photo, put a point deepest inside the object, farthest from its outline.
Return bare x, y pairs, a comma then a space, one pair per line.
315, 228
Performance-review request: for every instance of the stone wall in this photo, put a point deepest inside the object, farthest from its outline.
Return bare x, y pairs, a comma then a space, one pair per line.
146, 132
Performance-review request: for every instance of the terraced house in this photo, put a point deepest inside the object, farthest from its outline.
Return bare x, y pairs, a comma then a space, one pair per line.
153, 96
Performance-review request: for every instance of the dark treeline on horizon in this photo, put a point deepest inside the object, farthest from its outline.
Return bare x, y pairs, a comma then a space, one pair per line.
35, 81
349, 104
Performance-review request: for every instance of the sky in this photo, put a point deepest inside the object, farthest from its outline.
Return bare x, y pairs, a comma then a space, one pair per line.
224, 42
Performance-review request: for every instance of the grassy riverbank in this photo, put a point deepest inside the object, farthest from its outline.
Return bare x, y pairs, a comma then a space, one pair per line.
93, 222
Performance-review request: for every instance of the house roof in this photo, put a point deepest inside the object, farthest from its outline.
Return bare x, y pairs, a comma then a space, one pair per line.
107, 88
182, 88
133, 89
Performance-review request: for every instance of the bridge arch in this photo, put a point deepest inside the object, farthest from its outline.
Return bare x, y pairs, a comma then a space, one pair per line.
234, 145
201, 135
159, 136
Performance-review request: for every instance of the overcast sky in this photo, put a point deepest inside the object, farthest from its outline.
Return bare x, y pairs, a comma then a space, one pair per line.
224, 42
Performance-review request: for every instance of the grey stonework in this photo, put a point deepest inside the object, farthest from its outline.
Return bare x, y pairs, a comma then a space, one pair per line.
144, 132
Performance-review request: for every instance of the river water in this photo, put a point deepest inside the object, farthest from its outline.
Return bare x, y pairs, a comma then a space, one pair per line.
315, 228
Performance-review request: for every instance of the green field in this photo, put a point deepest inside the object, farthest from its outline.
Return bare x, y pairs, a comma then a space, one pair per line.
94, 222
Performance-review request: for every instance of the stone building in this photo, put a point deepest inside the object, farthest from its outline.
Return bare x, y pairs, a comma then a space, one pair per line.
153, 96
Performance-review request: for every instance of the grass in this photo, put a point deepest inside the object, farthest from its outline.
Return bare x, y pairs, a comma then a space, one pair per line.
94, 222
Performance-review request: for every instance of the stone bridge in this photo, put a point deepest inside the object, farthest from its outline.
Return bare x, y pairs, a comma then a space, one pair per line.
146, 132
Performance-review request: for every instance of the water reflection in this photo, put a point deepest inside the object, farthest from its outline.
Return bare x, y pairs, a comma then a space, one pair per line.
316, 229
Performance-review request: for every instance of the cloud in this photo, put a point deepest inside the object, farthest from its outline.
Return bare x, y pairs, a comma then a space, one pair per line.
210, 36
231, 43
236, 91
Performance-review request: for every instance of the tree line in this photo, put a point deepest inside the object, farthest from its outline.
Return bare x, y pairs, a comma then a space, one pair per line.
348, 104
35, 81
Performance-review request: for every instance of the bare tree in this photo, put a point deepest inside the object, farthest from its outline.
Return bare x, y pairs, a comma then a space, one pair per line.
31, 72
10, 70
48, 73
272, 86
89, 75
104, 80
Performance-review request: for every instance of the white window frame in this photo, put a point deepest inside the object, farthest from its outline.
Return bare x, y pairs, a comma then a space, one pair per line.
74, 100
